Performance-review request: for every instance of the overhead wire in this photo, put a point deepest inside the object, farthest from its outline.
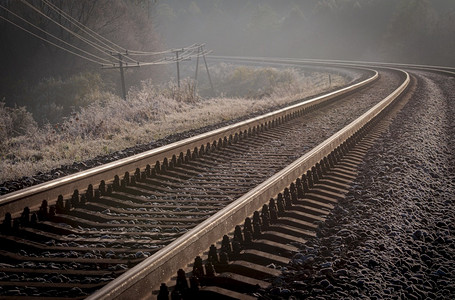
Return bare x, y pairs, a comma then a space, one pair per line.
167, 60
185, 53
150, 53
47, 41
100, 38
79, 25
127, 52
91, 43
84, 28
108, 50
55, 37
144, 53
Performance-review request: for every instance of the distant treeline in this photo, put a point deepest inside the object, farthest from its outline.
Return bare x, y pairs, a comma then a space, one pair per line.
408, 31
51, 82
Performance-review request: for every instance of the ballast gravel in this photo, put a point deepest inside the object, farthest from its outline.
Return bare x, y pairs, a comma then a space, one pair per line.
332, 119
393, 236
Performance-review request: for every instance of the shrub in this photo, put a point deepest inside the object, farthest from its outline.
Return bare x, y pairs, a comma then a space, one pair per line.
186, 93
105, 123
54, 98
15, 121
246, 81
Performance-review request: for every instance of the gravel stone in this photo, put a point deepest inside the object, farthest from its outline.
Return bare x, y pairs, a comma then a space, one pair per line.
393, 235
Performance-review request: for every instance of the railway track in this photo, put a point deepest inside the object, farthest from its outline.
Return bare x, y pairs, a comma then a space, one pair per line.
124, 228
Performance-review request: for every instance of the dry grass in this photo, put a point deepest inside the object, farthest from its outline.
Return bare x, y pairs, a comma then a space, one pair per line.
151, 113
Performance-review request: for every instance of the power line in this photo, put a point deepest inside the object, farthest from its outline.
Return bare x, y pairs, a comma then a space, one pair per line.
181, 54
42, 30
133, 52
84, 28
89, 31
99, 37
93, 34
97, 46
47, 41
187, 52
91, 43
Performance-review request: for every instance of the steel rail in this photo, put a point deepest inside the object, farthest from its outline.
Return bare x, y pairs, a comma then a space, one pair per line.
439, 69
349, 63
141, 280
14, 202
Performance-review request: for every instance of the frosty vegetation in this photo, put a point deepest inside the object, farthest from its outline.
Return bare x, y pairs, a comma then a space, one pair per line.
100, 122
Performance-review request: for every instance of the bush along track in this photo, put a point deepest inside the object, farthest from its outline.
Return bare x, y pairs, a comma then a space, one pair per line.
109, 128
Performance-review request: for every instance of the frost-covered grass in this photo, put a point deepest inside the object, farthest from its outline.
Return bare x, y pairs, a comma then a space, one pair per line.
109, 124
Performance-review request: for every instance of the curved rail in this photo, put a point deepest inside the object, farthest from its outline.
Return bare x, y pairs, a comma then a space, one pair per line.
64, 186
146, 276
439, 69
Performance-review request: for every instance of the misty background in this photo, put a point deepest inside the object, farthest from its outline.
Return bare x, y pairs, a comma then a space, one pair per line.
35, 74
405, 31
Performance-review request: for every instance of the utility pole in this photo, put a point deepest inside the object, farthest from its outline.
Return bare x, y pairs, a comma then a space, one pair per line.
208, 74
178, 67
200, 51
197, 68
122, 76
121, 65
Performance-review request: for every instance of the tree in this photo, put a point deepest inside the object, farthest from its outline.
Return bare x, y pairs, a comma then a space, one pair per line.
27, 59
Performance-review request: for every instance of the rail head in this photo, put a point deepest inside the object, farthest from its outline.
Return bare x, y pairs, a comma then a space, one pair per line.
141, 280
12, 202
436, 68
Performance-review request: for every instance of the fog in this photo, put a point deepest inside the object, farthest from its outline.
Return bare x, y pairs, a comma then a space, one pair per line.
406, 31
33, 72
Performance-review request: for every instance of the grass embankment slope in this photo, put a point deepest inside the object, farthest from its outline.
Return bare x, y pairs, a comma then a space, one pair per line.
108, 123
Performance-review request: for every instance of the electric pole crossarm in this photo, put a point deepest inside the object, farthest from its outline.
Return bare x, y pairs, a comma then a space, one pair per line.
181, 54
104, 67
